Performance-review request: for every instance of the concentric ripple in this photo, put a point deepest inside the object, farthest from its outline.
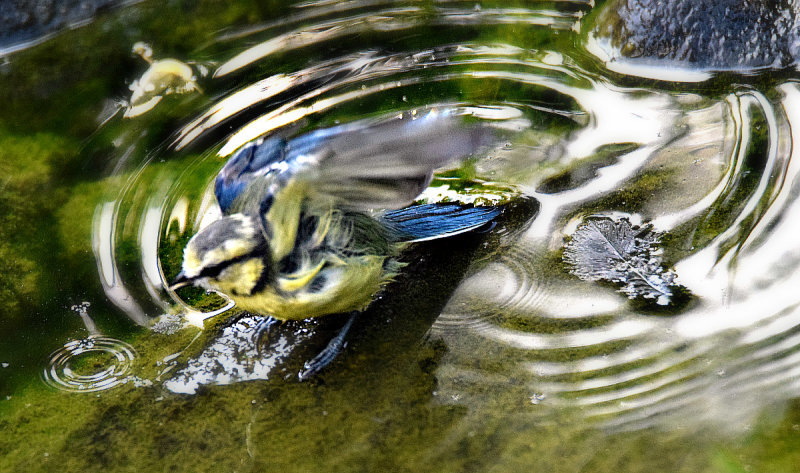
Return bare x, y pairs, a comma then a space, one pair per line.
717, 174
92, 364
718, 360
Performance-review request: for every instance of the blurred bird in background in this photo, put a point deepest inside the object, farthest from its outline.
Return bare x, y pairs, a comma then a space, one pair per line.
300, 235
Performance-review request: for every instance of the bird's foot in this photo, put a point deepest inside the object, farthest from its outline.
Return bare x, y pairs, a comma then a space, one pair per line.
328, 354
262, 331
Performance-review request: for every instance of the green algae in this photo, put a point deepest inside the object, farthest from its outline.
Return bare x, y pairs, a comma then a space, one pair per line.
379, 407
350, 419
30, 193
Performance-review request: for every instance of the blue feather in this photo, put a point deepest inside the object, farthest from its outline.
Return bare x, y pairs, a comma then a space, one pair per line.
431, 221
363, 165
252, 160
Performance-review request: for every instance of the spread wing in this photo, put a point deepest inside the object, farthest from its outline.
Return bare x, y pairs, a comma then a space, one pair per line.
369, 164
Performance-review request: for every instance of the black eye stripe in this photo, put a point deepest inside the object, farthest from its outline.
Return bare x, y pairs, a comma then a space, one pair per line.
214, 270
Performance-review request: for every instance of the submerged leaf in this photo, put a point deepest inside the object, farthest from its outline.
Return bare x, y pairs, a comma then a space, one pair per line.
614, 250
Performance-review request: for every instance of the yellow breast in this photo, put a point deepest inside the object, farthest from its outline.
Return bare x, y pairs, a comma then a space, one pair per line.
346, 286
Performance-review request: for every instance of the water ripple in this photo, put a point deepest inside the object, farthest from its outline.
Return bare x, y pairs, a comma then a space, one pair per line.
716, 173
96, 363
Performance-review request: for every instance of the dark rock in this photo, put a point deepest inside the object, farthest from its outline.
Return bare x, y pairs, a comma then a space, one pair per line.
719, 35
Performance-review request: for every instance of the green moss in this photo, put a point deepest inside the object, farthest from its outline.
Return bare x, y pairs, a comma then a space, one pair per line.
31, 191
390, 403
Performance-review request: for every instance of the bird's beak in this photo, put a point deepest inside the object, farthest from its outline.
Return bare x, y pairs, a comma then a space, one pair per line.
181, 280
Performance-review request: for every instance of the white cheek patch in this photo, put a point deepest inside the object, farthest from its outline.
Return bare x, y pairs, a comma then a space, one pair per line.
191, 264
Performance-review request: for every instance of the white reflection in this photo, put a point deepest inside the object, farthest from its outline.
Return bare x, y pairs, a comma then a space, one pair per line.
103, 241
619, 331
233, 357
149, 233
602, 49
390, 19
178, 215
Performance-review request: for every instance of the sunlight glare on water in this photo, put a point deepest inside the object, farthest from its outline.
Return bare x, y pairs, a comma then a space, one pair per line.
499, 328
580, 145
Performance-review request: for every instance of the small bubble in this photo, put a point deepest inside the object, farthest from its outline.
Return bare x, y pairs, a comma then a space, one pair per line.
537, 398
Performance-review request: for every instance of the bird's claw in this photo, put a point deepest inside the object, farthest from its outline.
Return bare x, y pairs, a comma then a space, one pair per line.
328, 354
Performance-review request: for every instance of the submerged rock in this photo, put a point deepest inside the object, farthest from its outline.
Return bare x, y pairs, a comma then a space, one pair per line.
724, 35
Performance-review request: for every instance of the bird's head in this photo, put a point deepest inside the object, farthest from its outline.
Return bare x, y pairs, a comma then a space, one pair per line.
230, 255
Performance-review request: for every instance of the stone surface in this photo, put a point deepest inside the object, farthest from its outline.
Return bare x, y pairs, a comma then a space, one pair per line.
718, 35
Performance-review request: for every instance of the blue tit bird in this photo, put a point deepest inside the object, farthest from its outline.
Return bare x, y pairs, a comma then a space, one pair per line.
300, 235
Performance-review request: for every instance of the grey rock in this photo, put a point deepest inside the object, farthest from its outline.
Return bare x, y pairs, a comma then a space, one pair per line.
719, 35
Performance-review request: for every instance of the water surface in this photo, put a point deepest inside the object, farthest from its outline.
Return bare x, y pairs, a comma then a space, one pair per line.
488, 353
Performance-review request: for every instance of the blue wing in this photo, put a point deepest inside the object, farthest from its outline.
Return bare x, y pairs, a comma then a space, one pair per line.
432, 221
363, 165
255, 159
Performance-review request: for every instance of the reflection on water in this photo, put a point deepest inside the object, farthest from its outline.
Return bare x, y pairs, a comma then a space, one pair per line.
712, 174
163, 77
110, 359
709, 163
238, 354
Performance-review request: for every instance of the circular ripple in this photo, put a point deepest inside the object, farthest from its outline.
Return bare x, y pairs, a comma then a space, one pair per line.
89, 365
577, 143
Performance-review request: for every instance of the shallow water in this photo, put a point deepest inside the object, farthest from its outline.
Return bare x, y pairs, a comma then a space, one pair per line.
489, 352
